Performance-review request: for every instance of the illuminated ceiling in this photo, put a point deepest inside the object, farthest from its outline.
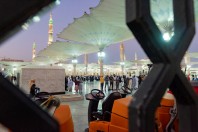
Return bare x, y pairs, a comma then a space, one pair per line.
61, 51
102, 27
105, 25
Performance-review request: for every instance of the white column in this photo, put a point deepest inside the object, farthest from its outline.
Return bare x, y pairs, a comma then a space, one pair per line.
122, 67
101, 67
86, 63
101, 56
74, 69
122, 56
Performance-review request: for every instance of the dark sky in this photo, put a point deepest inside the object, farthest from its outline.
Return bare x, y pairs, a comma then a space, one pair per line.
20, 45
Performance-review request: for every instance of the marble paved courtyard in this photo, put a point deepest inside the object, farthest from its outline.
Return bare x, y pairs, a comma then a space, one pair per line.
79, 109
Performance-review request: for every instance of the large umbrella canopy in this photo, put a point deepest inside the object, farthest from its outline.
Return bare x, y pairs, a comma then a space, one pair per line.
71, 48
125, 63
111, 12
106, 24
162, 10
61, 51
88, 29
49, 59
162, 13
52, 56
14, 63
193, 55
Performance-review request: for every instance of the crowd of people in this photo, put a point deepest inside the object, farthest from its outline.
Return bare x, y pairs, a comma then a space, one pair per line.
107, 82
77, 82
194, 78
111, 82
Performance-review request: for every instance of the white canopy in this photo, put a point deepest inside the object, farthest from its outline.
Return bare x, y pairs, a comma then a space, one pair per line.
61, 51
14, 63
193, 55
162, 13
106, 25
103, 27
111, 12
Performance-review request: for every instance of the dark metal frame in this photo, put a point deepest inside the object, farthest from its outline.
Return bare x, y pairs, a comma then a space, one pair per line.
15, 13
166, 72
17, 111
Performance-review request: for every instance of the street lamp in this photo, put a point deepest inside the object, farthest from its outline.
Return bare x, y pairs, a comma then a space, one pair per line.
101, 56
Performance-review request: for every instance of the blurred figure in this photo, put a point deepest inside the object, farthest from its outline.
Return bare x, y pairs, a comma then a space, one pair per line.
33, 89
77, 82
101, 82
134, 85
80, 86
111, 82
118, 79
14, 80
106, 82
70, 84
66, 81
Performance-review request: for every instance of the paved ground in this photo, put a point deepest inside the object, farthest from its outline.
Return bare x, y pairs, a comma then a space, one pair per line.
79, 109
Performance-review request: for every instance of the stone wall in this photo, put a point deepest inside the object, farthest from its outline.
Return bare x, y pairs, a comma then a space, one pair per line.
47, 79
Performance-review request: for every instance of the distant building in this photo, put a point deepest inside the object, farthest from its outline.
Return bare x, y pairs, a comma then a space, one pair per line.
11, 60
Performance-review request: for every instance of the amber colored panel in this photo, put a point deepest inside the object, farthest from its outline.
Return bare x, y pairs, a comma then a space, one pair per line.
64, 118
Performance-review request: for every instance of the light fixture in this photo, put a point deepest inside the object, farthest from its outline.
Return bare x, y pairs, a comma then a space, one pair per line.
36, 19
166, 36
60, 64
25, 26
14, 69
74, 61
122, 63
57, 2
101, 54
188, 66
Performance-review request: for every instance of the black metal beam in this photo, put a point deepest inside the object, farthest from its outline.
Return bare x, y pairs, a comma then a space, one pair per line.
166, 72
14, 13
17, 111
20, 114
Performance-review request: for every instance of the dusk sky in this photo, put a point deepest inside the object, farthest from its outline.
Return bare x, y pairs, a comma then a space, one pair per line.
20, 45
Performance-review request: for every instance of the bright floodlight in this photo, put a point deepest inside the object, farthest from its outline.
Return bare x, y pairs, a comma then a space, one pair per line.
36, 18
188, 66
60, 64
167, 36
57, 2
122, 63
74, 61
14, 69
101, 54
25, 26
